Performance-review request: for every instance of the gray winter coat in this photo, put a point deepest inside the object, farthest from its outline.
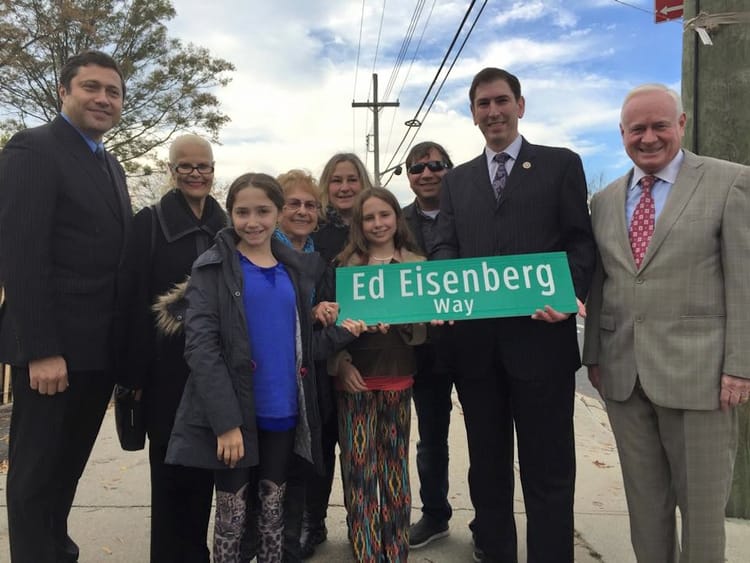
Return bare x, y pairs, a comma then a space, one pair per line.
219, 392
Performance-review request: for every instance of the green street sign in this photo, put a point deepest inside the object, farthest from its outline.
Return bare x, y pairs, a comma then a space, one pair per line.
467, 288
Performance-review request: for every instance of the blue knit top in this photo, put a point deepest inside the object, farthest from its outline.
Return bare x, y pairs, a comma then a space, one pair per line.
270, 312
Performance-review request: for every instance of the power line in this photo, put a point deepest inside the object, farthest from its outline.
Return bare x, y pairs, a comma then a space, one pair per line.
416, 50
408, 71
437, 74
634, 6
377, 44
404, 46
649, 12
359, 47
356, 70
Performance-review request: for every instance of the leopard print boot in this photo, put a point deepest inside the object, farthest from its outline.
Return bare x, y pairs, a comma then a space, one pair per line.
271, 521
229, 525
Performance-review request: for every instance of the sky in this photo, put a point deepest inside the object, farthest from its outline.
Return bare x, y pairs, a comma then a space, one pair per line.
300, 65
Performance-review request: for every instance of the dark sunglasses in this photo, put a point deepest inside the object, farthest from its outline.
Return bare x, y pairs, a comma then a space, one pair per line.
433, 165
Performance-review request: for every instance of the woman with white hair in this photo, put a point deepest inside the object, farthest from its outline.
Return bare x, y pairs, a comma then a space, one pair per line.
165, 240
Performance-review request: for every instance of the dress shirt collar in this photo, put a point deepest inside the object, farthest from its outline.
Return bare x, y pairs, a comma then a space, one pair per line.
511, 150
93, 145
667, 174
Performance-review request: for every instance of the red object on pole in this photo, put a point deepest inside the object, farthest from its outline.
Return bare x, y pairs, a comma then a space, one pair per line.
665, 10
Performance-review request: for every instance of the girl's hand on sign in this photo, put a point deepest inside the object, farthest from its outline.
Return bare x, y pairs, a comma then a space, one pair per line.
355, 327
440, 322
350, 378
229, 447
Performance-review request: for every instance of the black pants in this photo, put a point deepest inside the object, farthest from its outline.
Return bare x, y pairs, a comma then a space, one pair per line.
317, 486
51, 437
275, 453
180, 510
432, 400
495, 402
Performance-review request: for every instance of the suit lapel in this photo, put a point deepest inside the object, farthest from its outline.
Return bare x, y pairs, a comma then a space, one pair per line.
619, 220
679, 195
519, 174
480, 182
121, 188
93, 178
610, 223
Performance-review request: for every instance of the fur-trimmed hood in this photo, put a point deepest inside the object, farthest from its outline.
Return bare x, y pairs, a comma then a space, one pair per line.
169, 309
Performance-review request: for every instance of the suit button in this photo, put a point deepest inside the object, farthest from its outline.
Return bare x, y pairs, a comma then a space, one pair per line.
639, 281
237, 294
639, 319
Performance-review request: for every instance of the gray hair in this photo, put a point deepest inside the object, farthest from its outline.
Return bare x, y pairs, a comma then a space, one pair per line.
188, 139
646, 88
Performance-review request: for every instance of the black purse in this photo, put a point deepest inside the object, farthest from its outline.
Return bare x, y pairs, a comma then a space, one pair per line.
130, 419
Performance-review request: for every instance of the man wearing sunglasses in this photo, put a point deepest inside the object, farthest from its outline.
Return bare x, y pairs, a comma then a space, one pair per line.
426, 164
517, 372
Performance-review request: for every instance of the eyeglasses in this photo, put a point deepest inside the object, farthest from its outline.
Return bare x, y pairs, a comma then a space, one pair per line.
297, 204
184, 168
433, 165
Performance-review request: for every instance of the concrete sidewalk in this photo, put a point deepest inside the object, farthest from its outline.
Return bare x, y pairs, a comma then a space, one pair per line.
110, 517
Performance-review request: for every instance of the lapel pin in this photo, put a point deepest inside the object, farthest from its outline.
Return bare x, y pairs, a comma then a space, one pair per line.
526, 165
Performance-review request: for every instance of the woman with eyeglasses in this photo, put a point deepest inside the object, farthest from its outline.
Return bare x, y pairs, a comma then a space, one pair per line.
301, 211
165, 240
343, 177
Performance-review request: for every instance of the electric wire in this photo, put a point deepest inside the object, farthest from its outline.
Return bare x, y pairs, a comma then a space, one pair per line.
377, 44
437, 74
403, 51
356, 73
440, 87
404, 47
408, 71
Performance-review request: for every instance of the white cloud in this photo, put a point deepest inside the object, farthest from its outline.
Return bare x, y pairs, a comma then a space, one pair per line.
290, 97
553, 12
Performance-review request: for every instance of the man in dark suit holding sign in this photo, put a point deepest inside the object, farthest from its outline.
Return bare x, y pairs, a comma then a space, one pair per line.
518, 198
64, 215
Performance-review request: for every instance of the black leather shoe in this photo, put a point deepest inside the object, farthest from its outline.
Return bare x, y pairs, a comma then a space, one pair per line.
313, 534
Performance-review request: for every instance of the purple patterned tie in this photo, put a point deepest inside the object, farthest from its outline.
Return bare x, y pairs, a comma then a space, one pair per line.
501, 175
642, 222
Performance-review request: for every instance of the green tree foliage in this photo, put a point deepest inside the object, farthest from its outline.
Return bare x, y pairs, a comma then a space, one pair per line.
169, 84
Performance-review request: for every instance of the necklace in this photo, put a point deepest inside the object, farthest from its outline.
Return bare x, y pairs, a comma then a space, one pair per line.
386, 259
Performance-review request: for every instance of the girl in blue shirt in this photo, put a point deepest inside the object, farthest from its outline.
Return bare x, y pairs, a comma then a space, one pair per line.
250, 402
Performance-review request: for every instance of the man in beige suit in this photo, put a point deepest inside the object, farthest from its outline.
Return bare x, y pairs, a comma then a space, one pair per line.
668, 329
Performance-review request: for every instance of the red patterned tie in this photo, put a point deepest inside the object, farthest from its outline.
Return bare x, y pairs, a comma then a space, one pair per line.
642, 223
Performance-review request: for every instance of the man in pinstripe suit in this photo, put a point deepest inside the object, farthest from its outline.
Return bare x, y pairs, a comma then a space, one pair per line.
668, 331
517, 371
64, 217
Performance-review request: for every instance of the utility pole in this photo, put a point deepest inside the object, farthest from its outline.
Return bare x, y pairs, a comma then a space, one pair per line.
716, 96
375, 106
